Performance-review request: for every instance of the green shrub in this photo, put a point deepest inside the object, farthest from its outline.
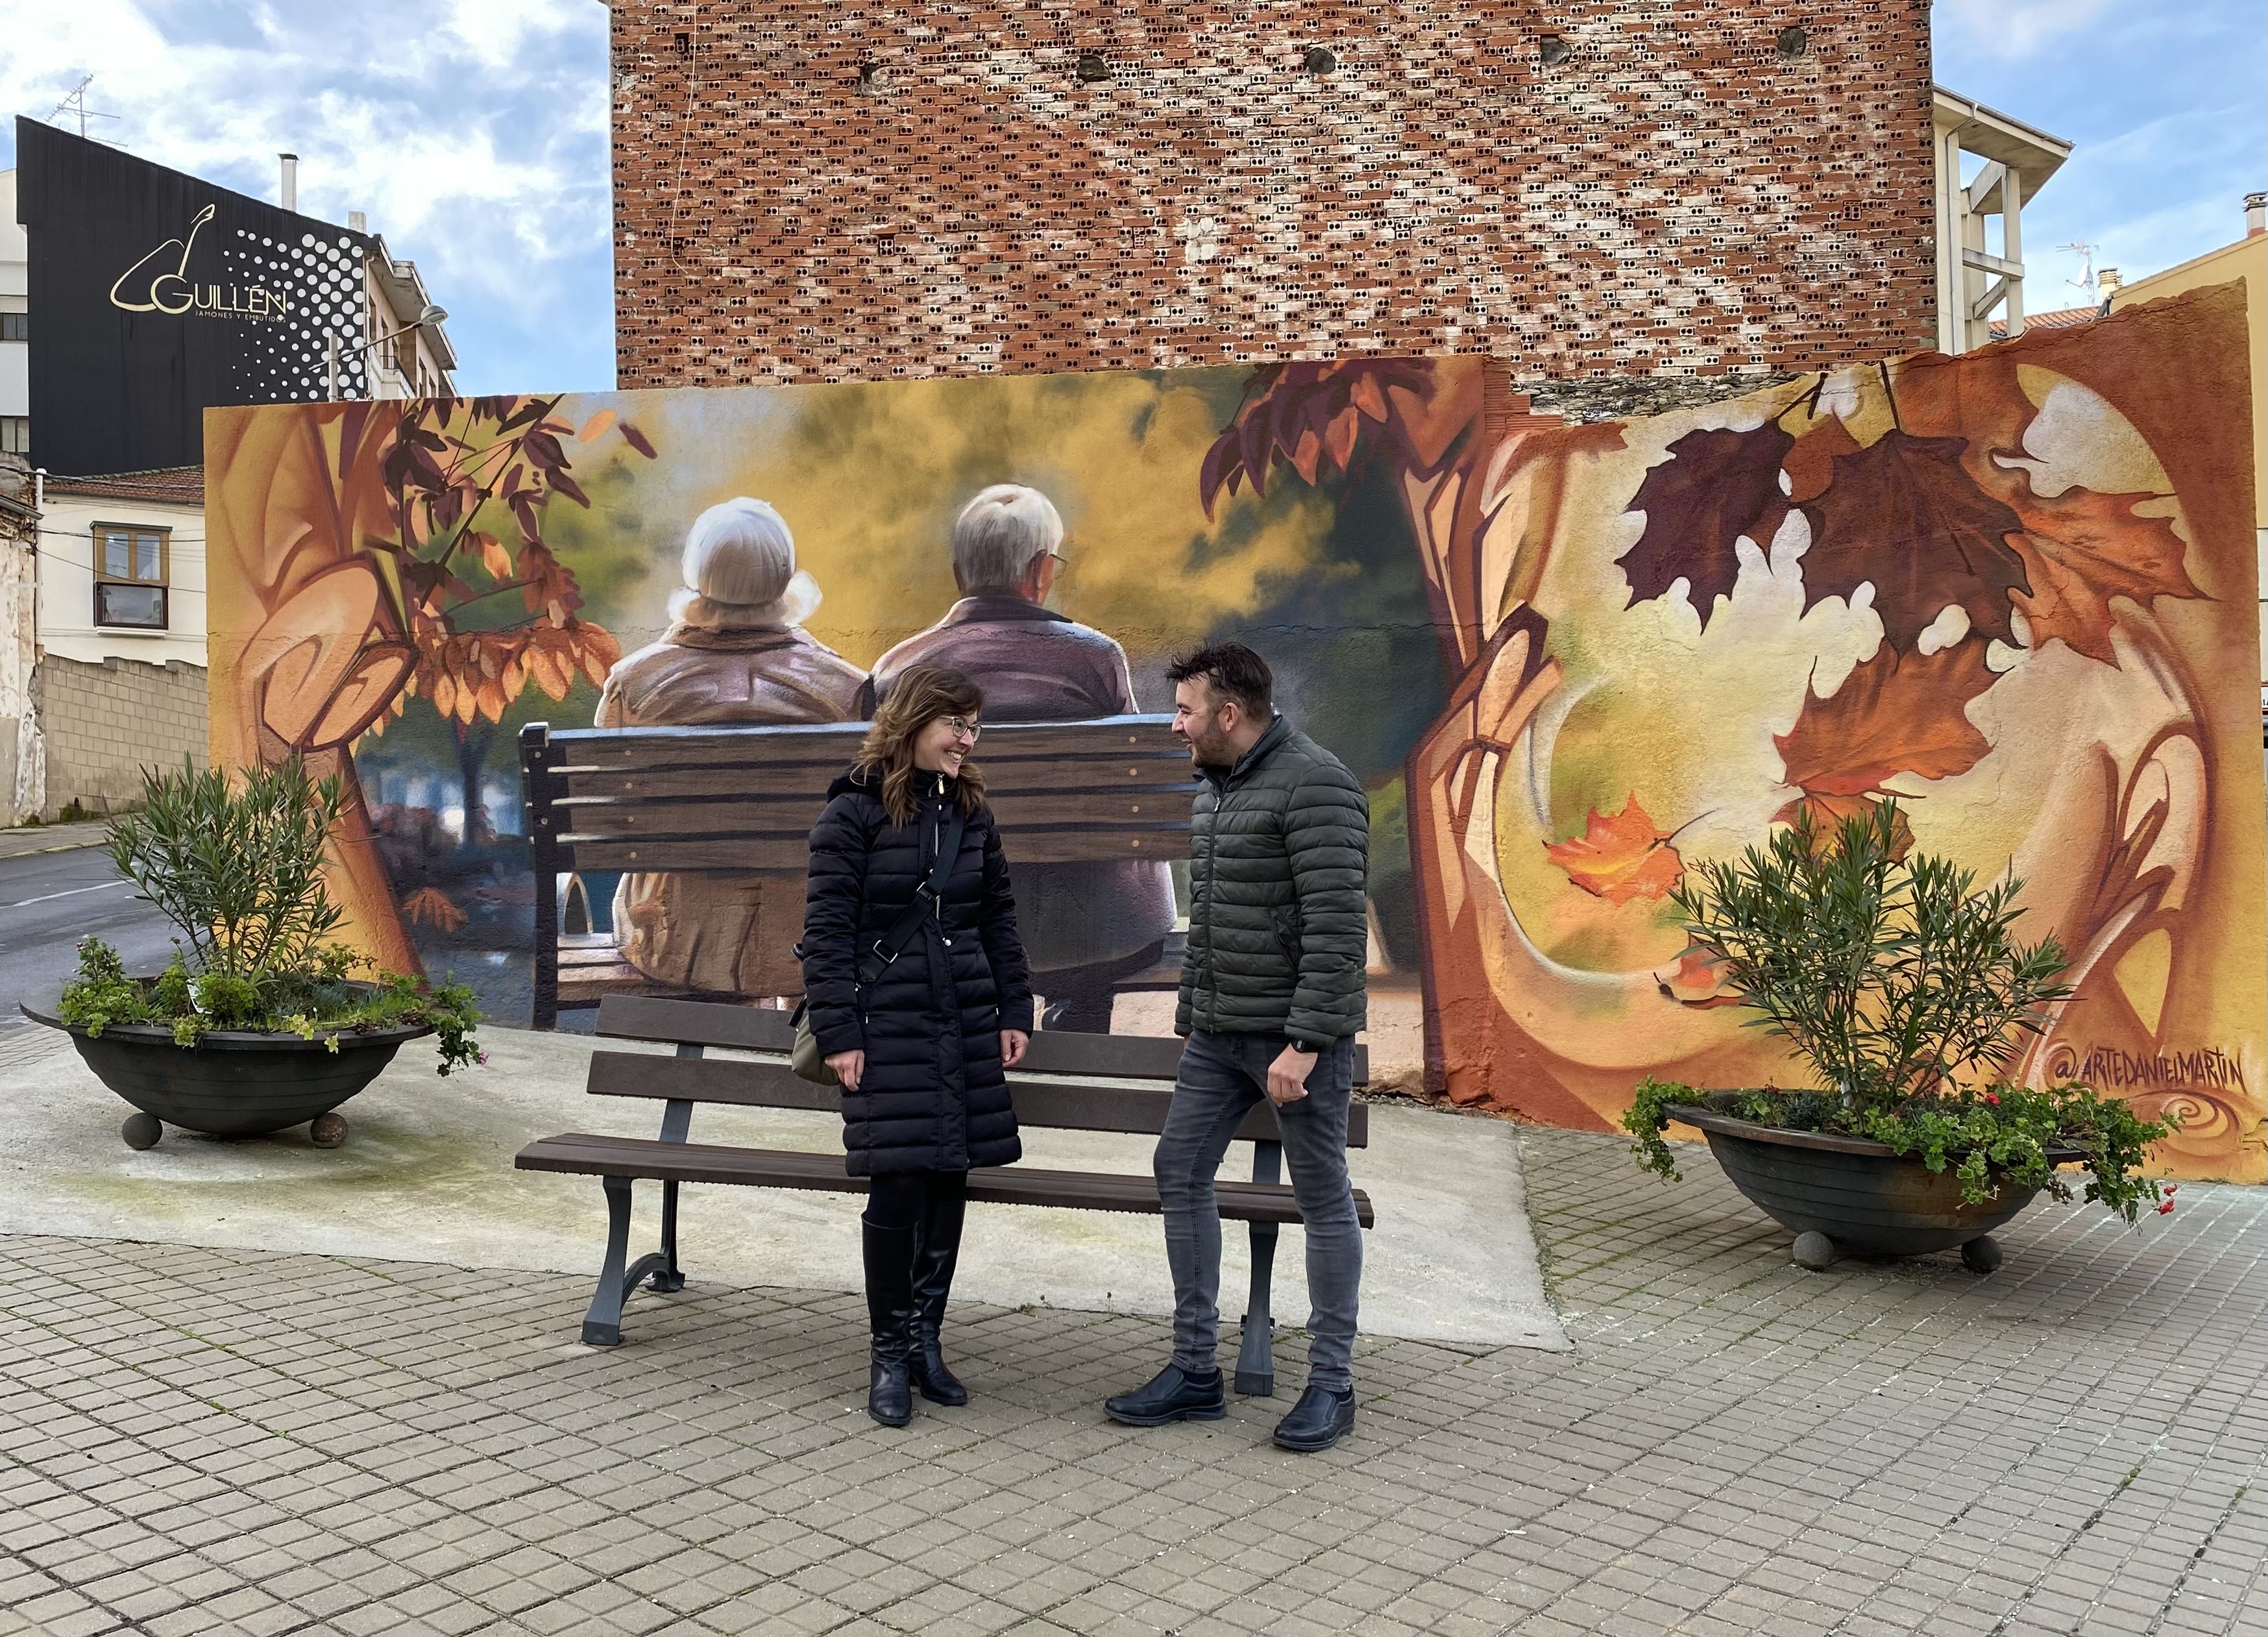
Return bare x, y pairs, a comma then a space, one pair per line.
238, 868
1902, 985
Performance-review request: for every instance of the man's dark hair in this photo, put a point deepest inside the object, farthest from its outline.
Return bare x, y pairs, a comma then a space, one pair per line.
1233, 671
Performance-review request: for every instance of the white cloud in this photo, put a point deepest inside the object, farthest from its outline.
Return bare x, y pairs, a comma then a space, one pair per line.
473, 132
2014, 28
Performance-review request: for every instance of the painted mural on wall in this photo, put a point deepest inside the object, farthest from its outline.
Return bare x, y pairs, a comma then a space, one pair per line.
2014, 589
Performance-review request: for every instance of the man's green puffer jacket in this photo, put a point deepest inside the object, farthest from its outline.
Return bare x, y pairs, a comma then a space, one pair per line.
1278, 932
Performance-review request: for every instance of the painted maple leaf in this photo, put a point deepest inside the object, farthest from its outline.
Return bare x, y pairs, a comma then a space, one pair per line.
1310, 414
1715, 487
1896, 713
1823, 818
2082, 549
1904, 516
1620, 858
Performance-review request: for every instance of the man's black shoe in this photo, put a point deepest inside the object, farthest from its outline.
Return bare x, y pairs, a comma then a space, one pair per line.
1171, 1394
1320, 1419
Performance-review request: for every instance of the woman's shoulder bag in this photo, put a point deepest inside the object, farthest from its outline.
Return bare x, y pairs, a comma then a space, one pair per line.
806, 1058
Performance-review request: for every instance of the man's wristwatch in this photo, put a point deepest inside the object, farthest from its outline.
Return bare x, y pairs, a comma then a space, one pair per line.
1305, 1046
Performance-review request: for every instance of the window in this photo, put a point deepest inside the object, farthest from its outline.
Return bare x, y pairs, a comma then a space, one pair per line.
15, 326
15, 434
129, 575
405, 360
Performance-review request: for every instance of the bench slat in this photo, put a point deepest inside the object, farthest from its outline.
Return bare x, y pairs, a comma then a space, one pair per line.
779, 815
787, 855
695, 1023
587, 1154
834, 744
1133, 1109
1016, 781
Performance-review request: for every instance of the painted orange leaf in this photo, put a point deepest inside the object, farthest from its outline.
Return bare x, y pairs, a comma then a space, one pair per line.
1826, 816
1620, 858
1896, 713
1698, 980
2083, 549
428, 906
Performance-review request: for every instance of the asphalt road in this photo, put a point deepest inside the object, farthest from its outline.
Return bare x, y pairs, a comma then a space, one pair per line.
49, 901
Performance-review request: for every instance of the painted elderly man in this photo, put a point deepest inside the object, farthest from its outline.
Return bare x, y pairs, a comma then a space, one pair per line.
1085, 925
733, 654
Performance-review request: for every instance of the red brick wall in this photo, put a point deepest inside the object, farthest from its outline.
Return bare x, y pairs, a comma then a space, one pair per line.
1677, 198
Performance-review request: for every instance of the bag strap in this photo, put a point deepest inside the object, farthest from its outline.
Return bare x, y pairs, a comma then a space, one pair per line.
892, 943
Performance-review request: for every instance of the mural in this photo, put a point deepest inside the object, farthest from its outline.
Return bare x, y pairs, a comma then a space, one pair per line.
2014, 589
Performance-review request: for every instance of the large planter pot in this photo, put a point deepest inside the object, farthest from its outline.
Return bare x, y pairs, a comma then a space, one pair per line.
233, 1084
1864, 1198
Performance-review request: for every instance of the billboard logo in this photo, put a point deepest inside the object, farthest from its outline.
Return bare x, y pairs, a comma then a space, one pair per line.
159, 283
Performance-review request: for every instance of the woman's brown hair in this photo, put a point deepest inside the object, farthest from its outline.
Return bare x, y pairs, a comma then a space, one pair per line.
919, 696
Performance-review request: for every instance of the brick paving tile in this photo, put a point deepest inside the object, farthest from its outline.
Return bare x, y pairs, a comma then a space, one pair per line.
196, 1440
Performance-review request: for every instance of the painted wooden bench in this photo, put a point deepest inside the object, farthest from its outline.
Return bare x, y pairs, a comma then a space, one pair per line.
1120, 1083
742, 800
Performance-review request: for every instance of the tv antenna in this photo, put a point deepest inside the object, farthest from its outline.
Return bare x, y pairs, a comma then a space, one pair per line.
2085, 283
76, 104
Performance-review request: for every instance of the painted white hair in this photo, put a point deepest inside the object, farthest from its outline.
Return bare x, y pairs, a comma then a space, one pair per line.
739, 569
1000, 533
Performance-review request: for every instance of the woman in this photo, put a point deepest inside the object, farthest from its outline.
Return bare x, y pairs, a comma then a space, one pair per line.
921, 1048
733, 654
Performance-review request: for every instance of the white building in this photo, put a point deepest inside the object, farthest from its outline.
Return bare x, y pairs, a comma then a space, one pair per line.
1980, 269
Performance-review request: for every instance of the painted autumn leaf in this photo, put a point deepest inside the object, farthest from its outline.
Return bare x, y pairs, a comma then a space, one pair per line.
1698, 980
1825, 815
1715, 487
2081, 549
1310, 414
1904, 515
1620, 858
1896, 713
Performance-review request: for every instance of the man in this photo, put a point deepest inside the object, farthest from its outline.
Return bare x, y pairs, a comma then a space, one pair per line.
1271, 999
1084, 925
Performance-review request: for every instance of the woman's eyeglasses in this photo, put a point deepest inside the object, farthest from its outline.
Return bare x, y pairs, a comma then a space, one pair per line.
961, 727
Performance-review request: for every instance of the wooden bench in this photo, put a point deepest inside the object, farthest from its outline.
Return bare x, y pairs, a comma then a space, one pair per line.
1068, 1082
742, 800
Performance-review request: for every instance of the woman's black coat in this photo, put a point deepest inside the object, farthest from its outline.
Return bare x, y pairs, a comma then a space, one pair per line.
933, 1096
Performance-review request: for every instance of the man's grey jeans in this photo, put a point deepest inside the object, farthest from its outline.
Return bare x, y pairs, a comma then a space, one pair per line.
1221, 1077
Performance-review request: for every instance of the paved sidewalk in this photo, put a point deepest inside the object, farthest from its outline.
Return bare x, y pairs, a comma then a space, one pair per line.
17, 841
225, 1441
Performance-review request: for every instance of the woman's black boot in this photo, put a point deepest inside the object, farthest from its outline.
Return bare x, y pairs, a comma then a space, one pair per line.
890, 1314
934, 1261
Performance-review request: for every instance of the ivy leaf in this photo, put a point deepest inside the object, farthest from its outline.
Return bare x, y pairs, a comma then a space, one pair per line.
1896, 713
1620, 858
1903, 516
1715, 487
2083, 547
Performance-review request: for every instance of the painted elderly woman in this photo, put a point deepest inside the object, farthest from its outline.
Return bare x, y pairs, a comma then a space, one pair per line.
733, 654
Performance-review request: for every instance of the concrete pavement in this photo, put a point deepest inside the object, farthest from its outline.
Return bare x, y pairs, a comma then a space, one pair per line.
427, 1176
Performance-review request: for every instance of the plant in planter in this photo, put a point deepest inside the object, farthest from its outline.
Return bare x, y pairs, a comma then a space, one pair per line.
258, 1024
1902, 985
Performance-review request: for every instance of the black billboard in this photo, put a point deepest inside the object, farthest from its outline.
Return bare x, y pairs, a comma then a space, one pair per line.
154, 295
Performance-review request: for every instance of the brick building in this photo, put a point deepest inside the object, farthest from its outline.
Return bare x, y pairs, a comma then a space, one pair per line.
1611, 191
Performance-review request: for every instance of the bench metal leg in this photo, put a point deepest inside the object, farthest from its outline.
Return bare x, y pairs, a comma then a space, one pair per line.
602, 1325
1256, 1352
667, 1277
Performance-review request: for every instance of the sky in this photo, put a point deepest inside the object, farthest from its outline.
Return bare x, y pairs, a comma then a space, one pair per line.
473, 133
